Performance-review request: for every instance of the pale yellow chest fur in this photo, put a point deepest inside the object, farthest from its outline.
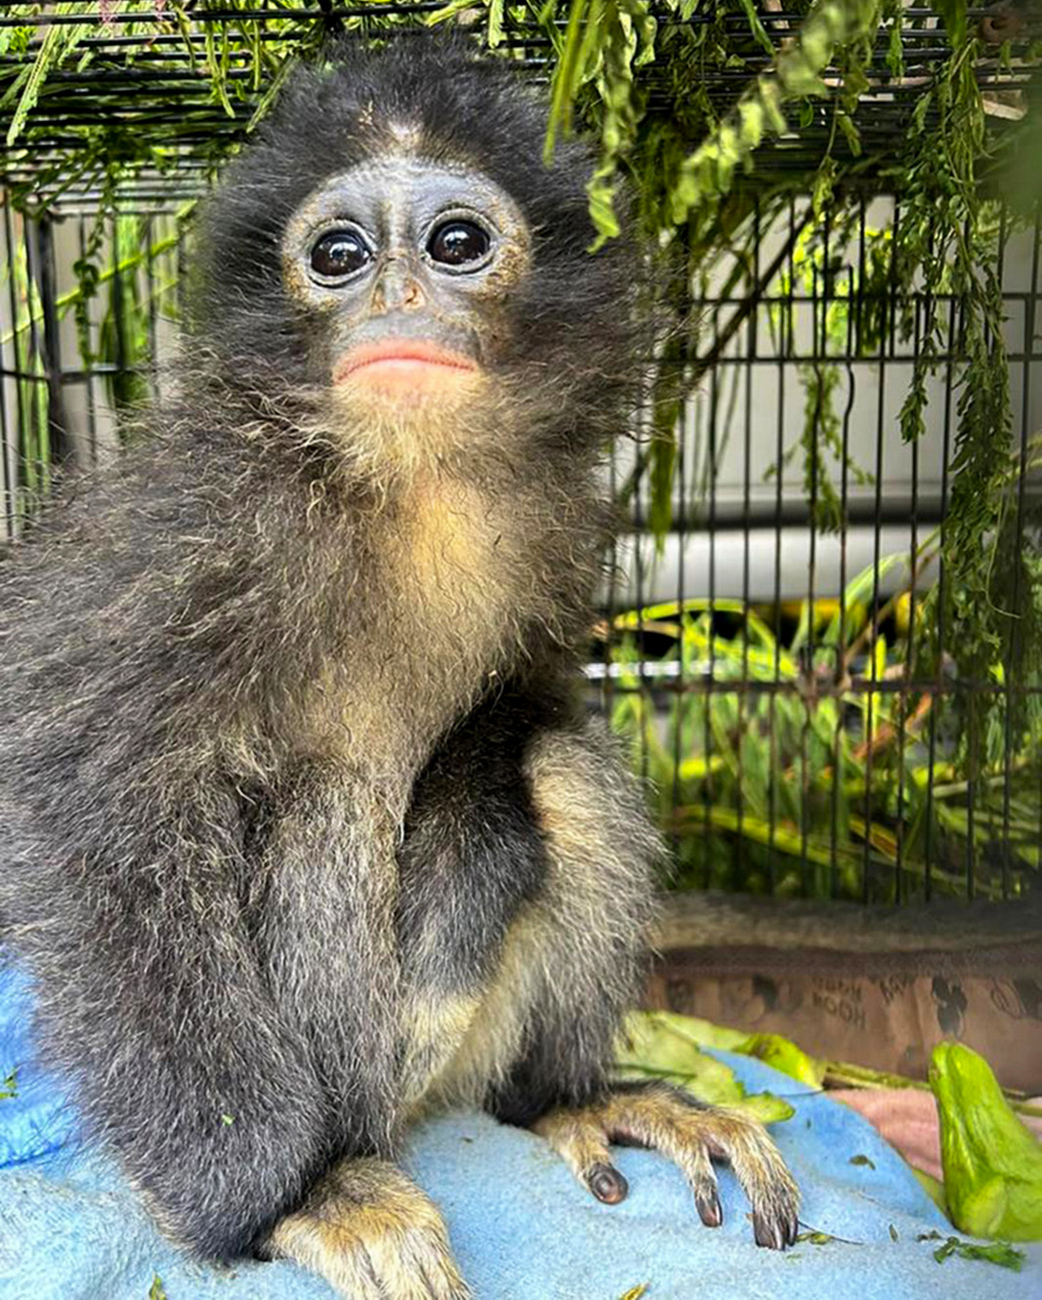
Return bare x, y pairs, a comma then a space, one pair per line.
446, 566
455, 558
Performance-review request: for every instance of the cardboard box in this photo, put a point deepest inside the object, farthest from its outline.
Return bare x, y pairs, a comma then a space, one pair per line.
873, 987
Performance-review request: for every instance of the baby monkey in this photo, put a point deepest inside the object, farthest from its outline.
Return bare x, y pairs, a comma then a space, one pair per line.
306, 830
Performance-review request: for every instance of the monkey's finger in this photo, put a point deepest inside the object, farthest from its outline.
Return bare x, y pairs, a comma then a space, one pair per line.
318, 1246
373, 1255
419, 1276
654, 1122
416, 1264
583, 1145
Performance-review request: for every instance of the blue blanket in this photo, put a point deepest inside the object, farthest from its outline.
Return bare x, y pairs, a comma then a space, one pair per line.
522, 1229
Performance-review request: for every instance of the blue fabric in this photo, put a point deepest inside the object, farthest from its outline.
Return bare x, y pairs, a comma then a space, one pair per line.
522, 1229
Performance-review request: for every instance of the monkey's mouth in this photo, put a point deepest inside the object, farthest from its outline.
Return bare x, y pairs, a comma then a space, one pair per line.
403, 366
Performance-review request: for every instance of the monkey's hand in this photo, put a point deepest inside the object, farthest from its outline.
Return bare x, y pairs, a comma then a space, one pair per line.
373, 1235
689, 1133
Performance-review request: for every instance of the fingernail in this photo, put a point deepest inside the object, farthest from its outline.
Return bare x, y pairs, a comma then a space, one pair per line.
607, 1184
709, 1209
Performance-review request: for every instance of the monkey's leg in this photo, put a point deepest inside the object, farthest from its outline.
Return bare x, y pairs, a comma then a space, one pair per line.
590, 949
373, 1235
690, 1134
157, 1010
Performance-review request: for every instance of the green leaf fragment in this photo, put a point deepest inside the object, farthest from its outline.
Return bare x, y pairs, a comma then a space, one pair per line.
783, 1055
999, 1252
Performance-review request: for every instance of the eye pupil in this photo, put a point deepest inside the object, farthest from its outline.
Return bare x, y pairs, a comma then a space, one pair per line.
339, 253
456, 243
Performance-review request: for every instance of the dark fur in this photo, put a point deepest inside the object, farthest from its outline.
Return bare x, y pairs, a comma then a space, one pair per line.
224, 903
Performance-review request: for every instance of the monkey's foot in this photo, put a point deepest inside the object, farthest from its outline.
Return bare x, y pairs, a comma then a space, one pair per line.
373, 1235
689, 1133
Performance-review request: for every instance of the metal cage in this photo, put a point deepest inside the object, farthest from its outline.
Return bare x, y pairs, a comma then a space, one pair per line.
762, 648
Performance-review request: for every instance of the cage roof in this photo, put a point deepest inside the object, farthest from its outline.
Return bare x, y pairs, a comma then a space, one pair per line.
175, 87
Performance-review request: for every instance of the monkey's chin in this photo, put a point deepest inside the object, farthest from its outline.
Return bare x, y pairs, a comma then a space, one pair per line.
391, 425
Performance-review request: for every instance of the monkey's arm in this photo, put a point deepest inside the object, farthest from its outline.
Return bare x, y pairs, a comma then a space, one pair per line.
327, 946
151, 1000
595, 910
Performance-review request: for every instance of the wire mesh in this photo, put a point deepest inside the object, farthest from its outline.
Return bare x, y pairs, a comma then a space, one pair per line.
785, 669
779, 655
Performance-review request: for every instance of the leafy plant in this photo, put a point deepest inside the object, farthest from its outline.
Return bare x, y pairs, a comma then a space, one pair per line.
817, 777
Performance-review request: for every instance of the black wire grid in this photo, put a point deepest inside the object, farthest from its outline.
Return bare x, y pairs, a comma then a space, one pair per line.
147, 75
739, 782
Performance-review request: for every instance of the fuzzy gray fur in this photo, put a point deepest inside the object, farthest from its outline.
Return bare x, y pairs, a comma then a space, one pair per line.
303, 827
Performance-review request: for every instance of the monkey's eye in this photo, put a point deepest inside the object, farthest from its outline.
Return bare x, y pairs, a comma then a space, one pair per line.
458, 243
339, 253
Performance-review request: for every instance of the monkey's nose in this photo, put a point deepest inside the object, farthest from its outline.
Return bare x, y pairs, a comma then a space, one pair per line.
397, 288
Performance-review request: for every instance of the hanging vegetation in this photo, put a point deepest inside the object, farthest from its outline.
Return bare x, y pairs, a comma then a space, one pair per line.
717, 119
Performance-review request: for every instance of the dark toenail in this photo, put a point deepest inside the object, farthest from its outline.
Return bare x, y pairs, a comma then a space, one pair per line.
767, 1233
607, 1184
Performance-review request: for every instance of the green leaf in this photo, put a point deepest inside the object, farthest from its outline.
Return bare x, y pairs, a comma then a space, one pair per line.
953, 15
992, 1163
58, 41
661, 1045
495, 23
663, 453
567, 74
757, 29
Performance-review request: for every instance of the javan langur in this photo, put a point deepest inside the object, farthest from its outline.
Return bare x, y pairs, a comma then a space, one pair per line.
305, 831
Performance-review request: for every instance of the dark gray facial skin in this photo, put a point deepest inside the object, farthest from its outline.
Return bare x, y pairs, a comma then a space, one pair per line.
395, 207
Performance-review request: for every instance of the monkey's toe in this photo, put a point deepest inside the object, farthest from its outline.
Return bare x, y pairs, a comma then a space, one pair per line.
690, 1134
775, 1229
373, 1235
583, 1145
607, 1184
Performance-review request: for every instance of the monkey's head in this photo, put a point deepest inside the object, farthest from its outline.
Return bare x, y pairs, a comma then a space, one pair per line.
395, 247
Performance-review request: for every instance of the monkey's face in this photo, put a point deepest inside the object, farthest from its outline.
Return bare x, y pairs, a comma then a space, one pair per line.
404, 269
391, 276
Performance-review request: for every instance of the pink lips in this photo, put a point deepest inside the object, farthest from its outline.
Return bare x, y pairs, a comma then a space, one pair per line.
399, 361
